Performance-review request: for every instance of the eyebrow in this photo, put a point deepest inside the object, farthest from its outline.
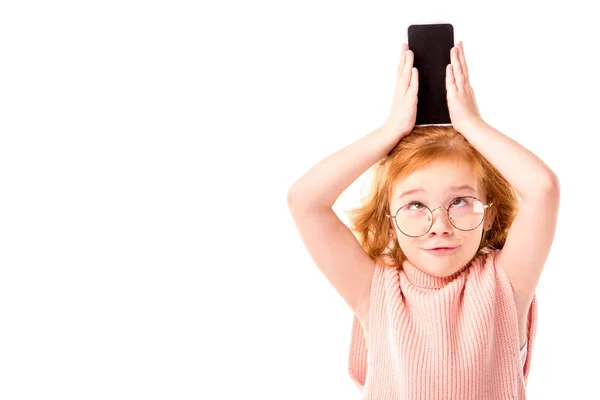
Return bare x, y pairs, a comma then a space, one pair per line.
452, 188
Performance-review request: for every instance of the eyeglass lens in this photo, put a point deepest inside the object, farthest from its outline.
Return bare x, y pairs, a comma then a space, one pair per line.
415, 219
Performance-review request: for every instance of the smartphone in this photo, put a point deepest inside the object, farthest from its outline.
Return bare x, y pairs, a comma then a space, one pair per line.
431, 45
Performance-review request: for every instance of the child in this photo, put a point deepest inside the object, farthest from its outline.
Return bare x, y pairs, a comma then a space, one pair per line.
443, 275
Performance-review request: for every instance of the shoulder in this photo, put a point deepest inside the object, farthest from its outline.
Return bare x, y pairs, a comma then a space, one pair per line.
385, 270
493, 277
485, 269
487, 259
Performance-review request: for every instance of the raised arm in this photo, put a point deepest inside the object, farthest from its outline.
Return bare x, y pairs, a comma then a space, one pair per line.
531, 234
330, 243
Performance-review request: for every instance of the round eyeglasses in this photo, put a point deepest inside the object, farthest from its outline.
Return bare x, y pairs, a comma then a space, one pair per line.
415, 219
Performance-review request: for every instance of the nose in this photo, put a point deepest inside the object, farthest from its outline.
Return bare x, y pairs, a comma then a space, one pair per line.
440, 222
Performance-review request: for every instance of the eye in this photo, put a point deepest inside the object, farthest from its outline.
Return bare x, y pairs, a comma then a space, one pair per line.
415, 203
458, 199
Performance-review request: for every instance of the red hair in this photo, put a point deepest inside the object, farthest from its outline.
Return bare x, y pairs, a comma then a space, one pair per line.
424, 145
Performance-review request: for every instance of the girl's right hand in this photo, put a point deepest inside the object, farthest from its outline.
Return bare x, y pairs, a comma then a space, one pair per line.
403, 113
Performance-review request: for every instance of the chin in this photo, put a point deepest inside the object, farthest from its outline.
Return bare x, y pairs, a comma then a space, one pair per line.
445, 264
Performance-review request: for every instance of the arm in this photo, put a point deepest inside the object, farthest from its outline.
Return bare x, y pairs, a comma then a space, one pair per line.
532, 232
523, 169
320, 187
331, 244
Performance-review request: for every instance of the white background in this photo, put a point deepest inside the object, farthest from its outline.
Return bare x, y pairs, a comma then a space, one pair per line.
146, 150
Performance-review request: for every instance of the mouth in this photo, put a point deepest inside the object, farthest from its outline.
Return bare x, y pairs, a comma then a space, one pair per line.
441, 250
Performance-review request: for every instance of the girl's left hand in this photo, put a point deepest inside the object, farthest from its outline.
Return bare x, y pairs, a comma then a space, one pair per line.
460, 96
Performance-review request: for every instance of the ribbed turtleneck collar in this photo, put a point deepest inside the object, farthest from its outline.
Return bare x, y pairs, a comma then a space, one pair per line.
423, 279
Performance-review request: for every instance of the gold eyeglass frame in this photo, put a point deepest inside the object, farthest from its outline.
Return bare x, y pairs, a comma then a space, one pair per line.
485, 207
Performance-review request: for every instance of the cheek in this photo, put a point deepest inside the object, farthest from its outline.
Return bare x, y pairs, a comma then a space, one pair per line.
406, 242
474, 237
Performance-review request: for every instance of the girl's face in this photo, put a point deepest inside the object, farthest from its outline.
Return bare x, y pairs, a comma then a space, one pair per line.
438, 186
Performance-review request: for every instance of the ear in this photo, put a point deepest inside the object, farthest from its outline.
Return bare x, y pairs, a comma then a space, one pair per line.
393, 232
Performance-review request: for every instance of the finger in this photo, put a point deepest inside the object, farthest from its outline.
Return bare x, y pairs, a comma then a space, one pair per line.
463, 61
450, 82
406, 71
408, 63
413, 89
402, 57
456, 70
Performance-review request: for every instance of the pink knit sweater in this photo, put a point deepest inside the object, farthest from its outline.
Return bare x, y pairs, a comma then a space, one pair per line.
451, 338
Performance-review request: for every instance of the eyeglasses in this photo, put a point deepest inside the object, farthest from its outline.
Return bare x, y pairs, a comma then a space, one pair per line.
415, 219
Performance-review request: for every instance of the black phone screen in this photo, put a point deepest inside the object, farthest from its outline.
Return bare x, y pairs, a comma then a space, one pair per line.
431, 44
